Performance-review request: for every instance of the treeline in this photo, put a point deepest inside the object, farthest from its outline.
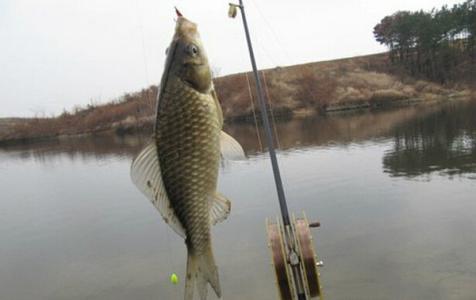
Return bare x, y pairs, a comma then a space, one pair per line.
434, 44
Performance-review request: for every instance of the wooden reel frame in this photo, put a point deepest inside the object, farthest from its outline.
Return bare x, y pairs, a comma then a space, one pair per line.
302, 242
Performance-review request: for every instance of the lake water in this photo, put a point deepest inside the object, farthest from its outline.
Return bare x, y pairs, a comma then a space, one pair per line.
395, 192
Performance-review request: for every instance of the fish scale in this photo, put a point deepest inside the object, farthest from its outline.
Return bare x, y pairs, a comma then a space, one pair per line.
191, 124
178, 171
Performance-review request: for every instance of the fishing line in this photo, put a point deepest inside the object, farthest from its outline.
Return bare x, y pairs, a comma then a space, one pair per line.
299, 277
267, 55
171, 261
268, 98
280, 46
272, 58
144, 54
273, 33
271, 109
254, 113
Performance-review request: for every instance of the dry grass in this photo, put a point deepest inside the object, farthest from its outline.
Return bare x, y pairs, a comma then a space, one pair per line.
93, 118
316, 86
307, 89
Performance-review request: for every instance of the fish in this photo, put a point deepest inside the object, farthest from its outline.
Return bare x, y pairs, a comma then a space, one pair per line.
178, 170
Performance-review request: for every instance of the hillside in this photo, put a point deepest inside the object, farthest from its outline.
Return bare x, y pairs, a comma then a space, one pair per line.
365, 81
8, 125
300, 90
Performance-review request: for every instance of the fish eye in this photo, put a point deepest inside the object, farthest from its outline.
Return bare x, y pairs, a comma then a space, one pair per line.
192, 50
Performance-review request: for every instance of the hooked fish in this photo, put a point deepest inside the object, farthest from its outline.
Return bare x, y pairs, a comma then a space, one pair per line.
178, 171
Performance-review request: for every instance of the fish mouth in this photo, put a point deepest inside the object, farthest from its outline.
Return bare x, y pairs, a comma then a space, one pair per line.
188, 82
192, 64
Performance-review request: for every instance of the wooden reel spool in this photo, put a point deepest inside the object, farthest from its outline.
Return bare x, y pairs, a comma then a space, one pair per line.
301, 240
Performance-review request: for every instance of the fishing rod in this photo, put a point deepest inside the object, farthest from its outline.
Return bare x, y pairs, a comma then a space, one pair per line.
293, 255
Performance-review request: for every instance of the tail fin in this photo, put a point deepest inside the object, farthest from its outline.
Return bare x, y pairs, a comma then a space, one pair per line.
200, 270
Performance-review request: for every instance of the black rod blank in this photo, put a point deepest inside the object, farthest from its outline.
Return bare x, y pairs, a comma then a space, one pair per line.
269, 136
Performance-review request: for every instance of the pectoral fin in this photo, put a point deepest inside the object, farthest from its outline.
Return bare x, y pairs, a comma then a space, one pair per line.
230, 148
146, 175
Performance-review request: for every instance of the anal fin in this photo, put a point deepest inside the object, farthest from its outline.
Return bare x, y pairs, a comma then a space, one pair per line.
220, 208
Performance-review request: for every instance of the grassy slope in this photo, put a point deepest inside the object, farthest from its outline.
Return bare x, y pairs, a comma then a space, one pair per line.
302, 89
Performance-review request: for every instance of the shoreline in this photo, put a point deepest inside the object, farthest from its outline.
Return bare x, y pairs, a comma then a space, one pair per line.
313, 89
145, 126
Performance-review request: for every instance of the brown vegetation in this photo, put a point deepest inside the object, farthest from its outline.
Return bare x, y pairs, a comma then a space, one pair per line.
120, 114
366, 81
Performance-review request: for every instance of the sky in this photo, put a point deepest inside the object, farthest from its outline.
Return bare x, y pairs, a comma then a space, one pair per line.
59, 54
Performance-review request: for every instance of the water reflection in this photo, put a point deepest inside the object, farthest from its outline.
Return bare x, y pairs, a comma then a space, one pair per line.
328, 131
74, 227
443, 142
321, 131
98, 147
425, 139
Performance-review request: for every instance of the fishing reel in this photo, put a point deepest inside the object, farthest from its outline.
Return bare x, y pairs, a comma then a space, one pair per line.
294, 259
293, 255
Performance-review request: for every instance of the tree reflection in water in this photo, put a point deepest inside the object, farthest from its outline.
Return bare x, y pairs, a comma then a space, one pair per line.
424, 139
443, 142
